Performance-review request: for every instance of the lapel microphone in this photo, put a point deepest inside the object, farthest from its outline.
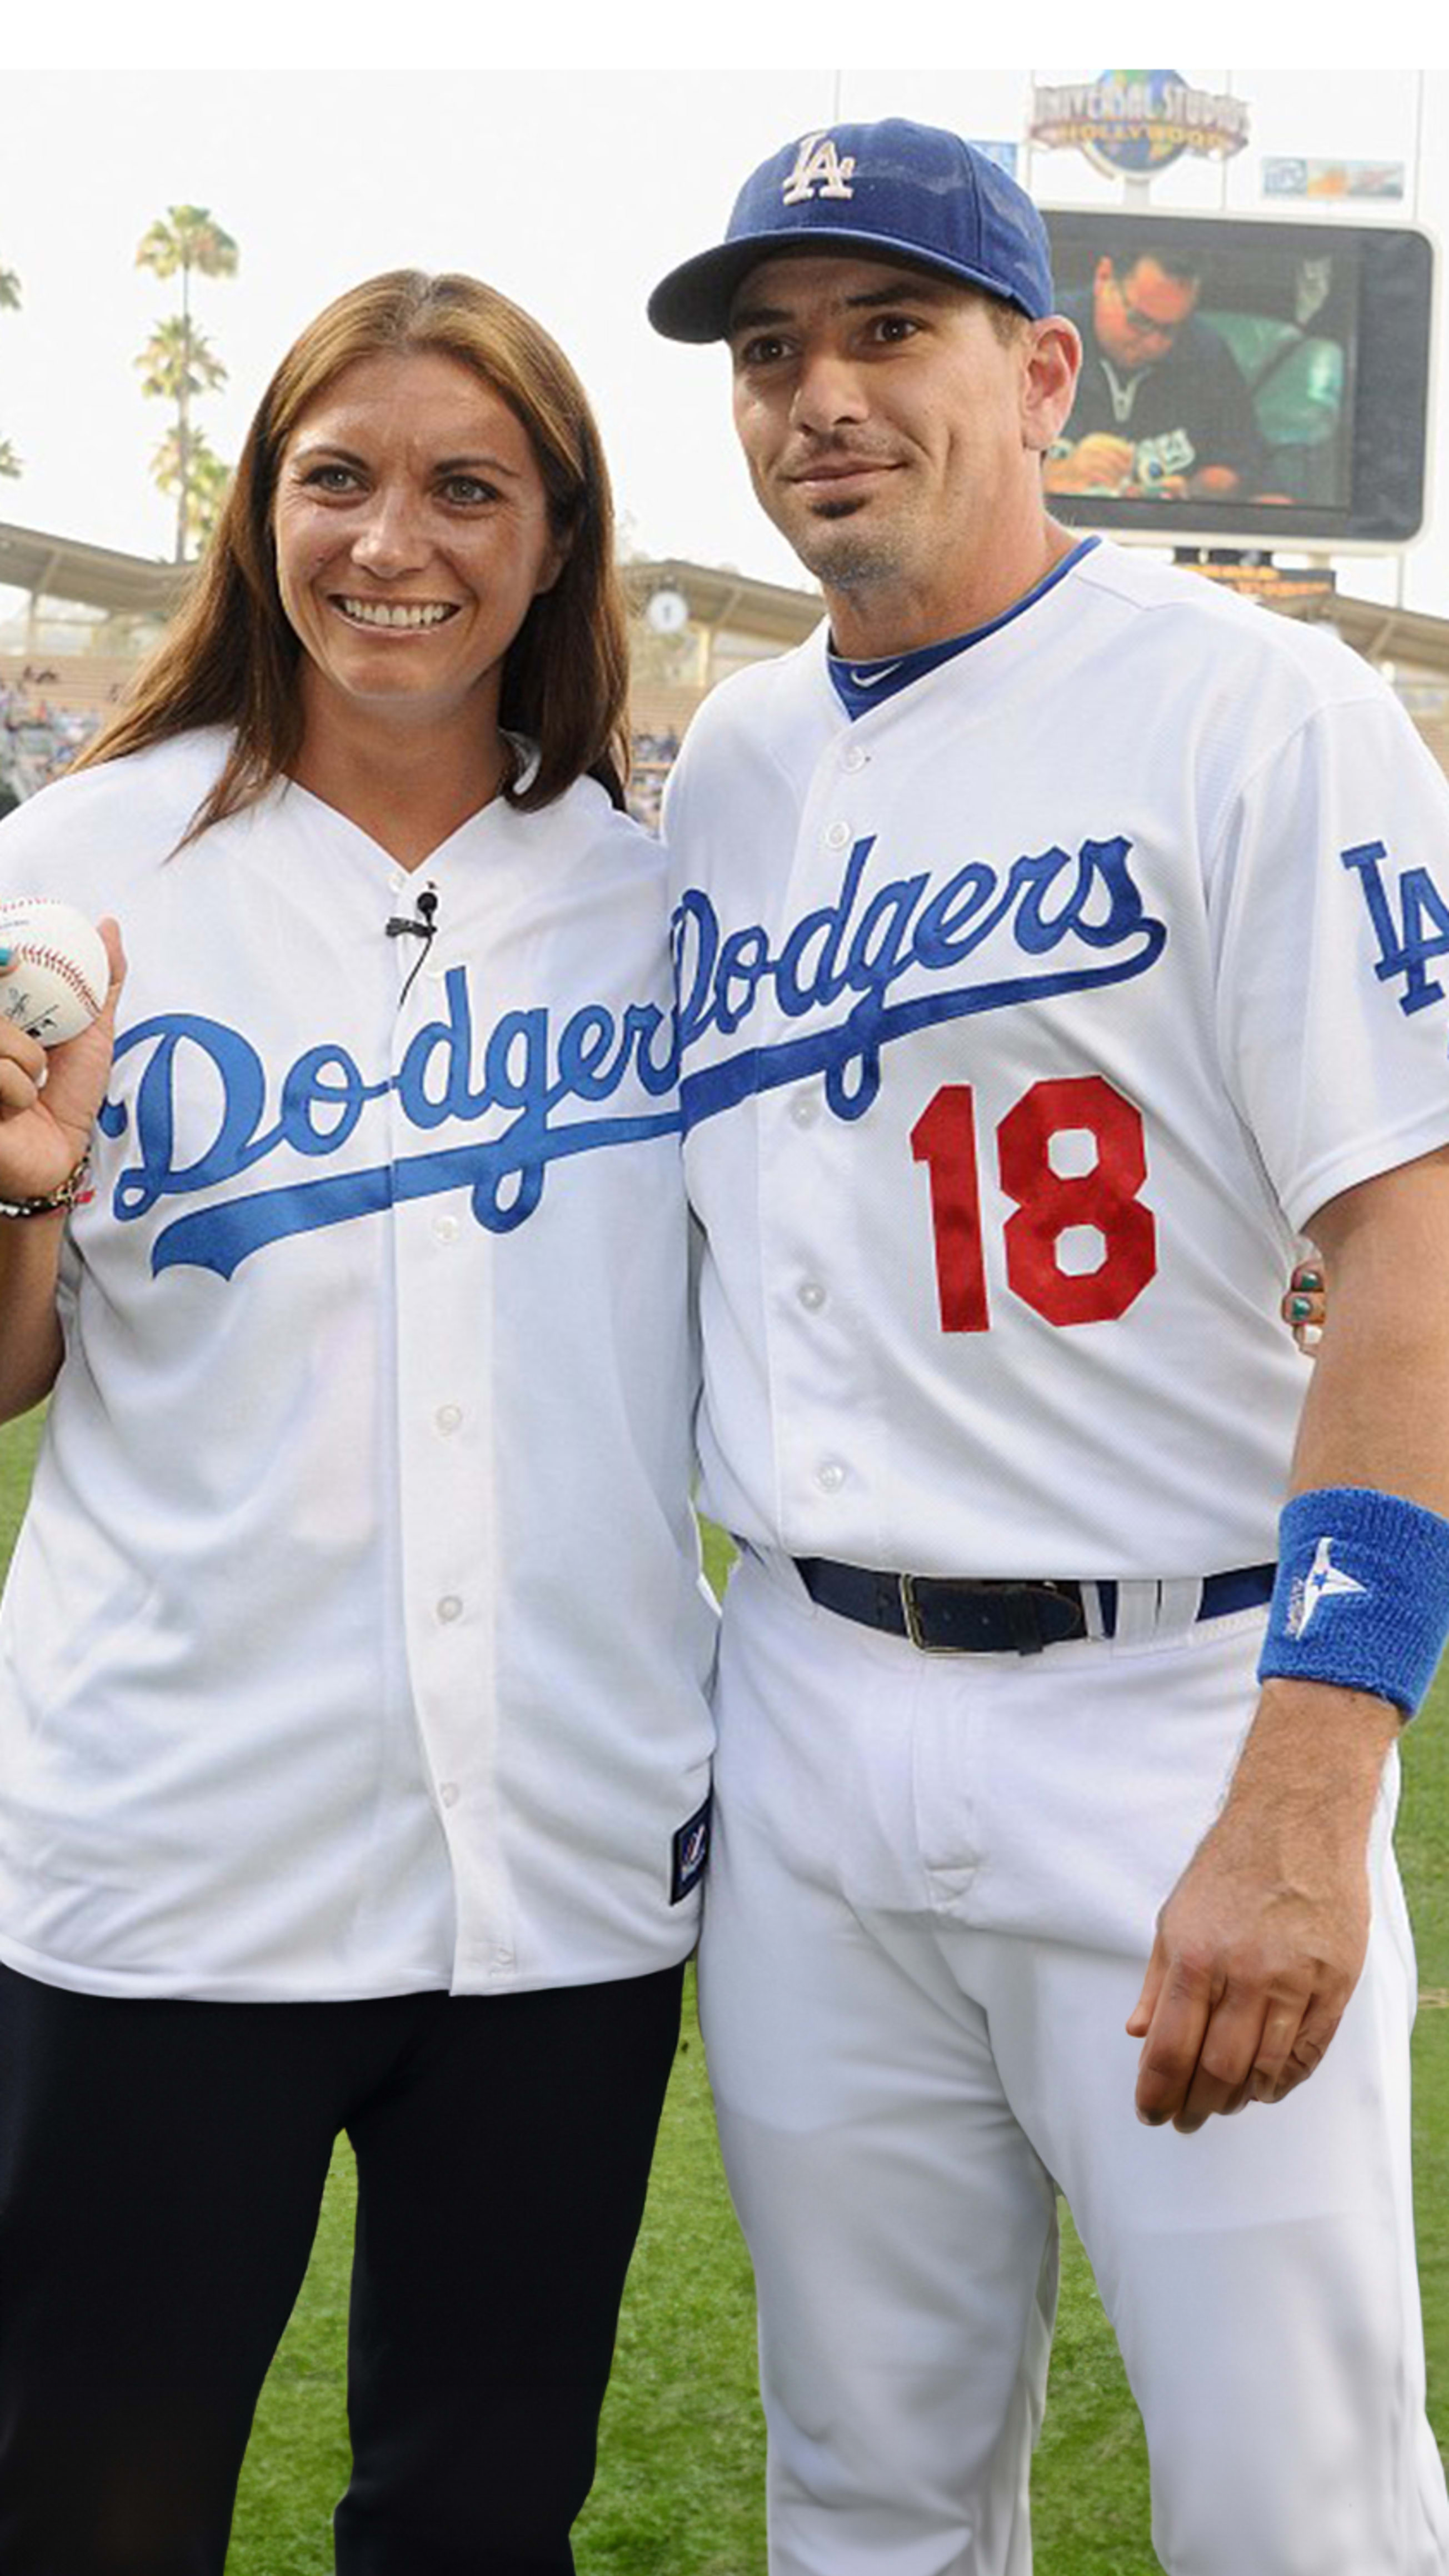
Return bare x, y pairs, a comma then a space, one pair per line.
421, 923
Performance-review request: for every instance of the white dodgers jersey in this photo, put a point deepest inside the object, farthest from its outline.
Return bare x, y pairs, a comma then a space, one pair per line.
354, 1643
1027, 1019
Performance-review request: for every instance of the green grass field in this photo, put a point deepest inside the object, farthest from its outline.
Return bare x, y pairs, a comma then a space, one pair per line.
679, 2491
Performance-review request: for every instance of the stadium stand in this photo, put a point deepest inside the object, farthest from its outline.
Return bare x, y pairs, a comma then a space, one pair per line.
52, 701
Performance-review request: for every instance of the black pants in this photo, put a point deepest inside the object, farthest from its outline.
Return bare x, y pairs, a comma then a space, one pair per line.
161, 2172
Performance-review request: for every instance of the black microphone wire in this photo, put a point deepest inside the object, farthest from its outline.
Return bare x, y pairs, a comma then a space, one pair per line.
409, 926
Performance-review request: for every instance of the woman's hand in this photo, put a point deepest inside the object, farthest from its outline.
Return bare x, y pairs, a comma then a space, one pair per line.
1305, 1308
49, 1100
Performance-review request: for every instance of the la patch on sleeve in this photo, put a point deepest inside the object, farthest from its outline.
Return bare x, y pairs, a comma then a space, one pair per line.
690, 1852
1421, 933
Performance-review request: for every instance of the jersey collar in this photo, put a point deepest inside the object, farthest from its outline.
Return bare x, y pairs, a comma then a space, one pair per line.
862, 685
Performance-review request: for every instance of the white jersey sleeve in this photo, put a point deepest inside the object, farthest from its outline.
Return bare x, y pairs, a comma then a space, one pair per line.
1331, 897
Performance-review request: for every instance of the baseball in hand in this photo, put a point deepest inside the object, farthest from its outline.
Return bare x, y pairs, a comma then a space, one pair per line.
58, 973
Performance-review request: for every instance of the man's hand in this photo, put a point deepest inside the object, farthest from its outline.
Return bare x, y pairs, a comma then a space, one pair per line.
1262, 1941
1100, 463
1215, 483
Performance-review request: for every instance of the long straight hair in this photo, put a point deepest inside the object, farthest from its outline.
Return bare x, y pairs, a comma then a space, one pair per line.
230, 656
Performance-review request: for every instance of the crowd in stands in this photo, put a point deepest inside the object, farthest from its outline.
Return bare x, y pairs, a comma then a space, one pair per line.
37, 740
654, 757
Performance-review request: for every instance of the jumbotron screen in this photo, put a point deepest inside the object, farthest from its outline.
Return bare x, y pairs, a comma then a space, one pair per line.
1265, 380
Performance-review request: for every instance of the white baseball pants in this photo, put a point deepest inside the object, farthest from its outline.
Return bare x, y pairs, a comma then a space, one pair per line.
931, 1901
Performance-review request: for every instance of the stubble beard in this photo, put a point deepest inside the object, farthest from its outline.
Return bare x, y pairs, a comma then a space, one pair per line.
837, 544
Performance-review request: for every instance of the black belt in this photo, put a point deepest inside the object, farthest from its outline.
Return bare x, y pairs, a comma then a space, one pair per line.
946, 1617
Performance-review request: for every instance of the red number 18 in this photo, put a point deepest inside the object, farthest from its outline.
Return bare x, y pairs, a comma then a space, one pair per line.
1047, 1202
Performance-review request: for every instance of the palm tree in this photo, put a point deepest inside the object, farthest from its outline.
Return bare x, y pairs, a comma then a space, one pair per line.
176, 363
208, 482
9, 303
188, 237
179, 361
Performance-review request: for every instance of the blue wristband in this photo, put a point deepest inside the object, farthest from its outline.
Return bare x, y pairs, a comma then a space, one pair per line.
1362, 1596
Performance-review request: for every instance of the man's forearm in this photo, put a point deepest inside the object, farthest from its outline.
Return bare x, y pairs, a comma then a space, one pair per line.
1377, 1410
1376, 1416
1261, 1943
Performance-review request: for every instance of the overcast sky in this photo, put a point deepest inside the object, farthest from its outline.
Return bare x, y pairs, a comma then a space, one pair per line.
571, 190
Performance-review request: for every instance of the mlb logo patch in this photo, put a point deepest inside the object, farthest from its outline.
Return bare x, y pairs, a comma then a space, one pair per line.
691, 1851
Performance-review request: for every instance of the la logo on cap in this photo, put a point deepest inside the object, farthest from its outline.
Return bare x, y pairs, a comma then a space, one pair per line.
818, 165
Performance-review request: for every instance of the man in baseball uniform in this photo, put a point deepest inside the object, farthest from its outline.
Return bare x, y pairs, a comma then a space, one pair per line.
1057, 941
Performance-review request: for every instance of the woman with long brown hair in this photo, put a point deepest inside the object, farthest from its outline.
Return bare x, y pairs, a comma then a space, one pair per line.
353, 1738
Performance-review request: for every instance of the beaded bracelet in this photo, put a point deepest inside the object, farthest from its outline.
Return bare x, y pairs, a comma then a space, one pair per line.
74, 1190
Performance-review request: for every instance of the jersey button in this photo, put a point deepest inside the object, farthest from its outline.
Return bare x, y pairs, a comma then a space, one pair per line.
853, 757
448, 1417
811, 1295
830, 1475
837, 836
445, 1229
450, 1607
448, 1792
502, 1958
804, 1110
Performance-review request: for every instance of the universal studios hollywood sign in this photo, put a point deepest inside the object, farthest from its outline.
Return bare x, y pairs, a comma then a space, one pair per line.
1137, 123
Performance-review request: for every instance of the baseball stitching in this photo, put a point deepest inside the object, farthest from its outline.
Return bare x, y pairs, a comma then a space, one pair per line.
61, 965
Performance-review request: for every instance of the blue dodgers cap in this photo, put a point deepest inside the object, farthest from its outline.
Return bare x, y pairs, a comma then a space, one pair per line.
900, 190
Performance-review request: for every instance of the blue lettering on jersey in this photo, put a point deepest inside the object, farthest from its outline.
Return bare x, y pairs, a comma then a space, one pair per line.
325, 1095
854, 949
1047, 901
1421, 932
